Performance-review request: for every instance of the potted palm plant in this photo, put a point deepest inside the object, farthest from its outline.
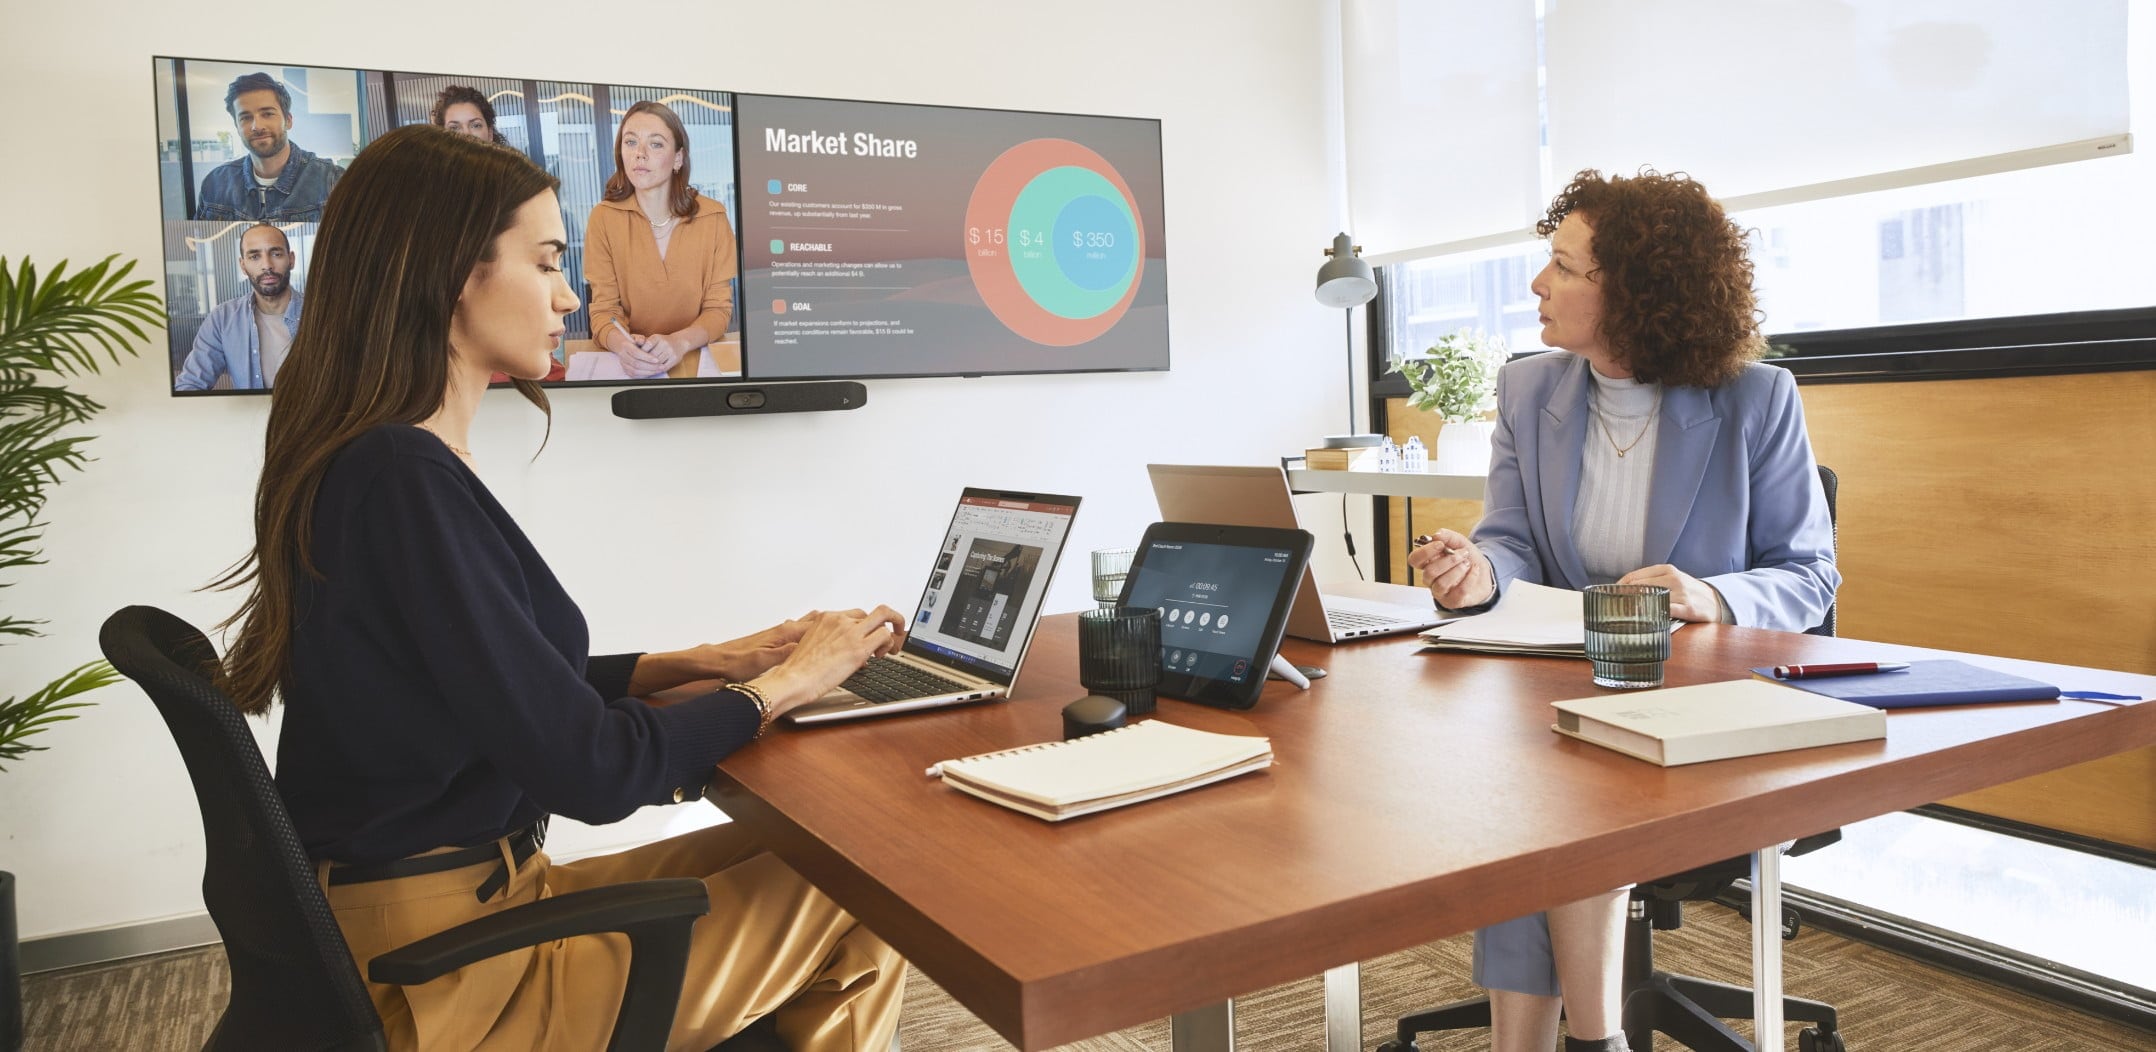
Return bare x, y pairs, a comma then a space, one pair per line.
1457, 379
50, 329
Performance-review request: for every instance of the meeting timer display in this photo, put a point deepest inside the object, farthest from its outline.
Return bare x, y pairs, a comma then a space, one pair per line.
882, 239
1213, 601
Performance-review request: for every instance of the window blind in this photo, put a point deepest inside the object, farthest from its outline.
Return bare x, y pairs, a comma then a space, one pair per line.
1442, 124
1773, 101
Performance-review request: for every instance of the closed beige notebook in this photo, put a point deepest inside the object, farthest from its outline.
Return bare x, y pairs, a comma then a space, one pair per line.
1058, 780
1715, 721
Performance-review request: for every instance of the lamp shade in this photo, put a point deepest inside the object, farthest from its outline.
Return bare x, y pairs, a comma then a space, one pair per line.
1345, 280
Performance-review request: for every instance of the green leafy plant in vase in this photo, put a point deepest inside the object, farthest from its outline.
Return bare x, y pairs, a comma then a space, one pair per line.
50, 329
1456, 378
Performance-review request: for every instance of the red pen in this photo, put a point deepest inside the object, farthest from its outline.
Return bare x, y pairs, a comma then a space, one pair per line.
1853, 668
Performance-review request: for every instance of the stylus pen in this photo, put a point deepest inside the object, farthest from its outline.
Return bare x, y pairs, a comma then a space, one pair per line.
1853, 668
1430, 538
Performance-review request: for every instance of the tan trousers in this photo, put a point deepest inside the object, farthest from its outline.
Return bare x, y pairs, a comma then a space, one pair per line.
771, 945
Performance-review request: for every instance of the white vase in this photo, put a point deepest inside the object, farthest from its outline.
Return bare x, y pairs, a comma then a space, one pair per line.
1463, 448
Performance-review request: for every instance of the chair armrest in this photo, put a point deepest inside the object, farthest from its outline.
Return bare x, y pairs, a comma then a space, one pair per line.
1706, 882
614, 908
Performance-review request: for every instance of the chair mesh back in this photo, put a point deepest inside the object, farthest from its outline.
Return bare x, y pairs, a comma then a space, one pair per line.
1831, 483
293, 982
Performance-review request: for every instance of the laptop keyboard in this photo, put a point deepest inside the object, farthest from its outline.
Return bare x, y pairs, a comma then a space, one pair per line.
885, 679
1353, 620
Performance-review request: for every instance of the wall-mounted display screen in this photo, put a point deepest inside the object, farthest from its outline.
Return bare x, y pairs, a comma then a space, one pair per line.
879, 239
893, 240
249, 152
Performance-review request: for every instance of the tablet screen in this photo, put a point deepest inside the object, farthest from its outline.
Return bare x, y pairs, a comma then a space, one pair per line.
1222, 606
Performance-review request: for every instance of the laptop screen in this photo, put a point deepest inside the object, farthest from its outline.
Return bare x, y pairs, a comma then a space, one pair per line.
984, 595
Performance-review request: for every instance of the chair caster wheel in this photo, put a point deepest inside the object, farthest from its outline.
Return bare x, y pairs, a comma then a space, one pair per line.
1396, 1046
1812, 1039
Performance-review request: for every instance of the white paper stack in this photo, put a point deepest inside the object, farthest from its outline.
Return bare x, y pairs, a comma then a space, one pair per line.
1528, 619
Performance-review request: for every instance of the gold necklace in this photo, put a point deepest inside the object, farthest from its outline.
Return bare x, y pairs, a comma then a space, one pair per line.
463, 452
1636, 439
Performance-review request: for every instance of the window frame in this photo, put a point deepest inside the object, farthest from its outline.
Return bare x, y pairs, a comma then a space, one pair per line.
1971, 348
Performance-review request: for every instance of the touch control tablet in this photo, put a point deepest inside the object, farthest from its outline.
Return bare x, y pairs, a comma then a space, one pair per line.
1223, 594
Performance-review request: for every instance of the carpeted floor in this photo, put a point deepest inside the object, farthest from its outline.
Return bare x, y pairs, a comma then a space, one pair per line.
169, 1003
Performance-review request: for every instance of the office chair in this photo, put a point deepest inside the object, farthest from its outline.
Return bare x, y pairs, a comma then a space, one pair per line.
1832, 484
1684, 1007
294, 985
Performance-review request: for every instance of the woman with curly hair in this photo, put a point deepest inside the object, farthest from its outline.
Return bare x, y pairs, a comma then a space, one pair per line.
466, 110
1650, 448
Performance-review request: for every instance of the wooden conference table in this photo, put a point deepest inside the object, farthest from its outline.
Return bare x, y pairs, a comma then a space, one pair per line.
1416, 796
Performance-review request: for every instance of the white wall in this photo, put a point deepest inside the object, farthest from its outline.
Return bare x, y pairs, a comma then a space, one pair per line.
668, 532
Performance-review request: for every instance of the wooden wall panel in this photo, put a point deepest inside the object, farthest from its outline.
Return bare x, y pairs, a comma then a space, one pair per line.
1403, 420
2008, 516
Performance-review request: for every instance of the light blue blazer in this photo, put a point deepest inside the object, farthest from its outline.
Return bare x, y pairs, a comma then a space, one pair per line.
1735, 501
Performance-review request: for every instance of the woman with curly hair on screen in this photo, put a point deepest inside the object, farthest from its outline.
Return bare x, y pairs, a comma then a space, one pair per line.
467, 111
1650, 448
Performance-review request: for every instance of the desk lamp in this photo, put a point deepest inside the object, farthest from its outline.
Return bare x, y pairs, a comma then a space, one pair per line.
1346, 282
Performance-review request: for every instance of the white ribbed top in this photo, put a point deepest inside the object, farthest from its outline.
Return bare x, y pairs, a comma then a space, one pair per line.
1609, 521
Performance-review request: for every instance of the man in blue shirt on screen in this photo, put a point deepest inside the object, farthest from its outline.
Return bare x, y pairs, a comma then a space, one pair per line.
247, 336
274, 180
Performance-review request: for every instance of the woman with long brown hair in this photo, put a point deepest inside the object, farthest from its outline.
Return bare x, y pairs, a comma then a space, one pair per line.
440, 701
659, 256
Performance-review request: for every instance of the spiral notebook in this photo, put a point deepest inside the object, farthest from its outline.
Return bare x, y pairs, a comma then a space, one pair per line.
1065, 779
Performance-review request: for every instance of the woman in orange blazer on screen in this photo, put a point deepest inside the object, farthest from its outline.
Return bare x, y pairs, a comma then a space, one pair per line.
659, 256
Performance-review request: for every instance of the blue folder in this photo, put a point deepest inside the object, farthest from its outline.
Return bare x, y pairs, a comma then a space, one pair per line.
1942, 682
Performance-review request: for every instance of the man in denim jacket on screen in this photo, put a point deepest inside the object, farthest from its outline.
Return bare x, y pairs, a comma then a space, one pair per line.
248, 335
275, 180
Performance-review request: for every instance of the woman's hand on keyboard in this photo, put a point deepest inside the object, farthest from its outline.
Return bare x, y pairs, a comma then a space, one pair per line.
835, 645
753, 655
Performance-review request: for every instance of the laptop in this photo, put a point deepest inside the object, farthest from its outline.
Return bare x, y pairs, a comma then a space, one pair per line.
977, 614
1240, 496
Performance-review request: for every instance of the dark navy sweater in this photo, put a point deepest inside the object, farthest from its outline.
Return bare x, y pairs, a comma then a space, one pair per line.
439, 690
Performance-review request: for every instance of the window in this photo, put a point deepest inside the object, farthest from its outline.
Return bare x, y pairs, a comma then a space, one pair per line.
2040, 241
1432, 298
2046, 240
2086, 912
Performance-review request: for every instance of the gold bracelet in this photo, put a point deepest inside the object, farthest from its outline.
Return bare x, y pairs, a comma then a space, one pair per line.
756, 695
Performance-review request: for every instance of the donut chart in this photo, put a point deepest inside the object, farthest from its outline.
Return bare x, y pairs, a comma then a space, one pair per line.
1053, 242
